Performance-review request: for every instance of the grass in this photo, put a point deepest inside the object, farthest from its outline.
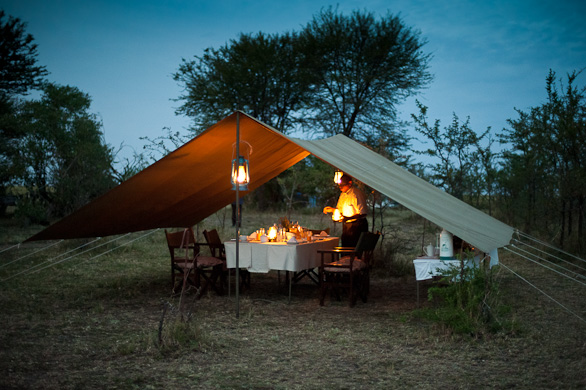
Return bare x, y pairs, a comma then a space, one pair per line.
94, 323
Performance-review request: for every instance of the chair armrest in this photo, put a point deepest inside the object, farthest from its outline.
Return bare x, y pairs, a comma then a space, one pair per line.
338, 250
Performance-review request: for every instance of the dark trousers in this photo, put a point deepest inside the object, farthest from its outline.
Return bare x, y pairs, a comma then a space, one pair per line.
236, 215
351, 231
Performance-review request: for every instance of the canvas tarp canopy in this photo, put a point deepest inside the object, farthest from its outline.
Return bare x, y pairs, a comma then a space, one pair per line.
193, 182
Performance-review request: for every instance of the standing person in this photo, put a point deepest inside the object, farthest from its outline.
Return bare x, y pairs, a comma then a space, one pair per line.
352, 206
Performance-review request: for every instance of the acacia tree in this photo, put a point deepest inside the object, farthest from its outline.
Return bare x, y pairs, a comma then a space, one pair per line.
363, 68
259, 74
66, 161
340, 74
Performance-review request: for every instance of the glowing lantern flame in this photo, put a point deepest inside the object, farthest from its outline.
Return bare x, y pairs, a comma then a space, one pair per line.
336, 216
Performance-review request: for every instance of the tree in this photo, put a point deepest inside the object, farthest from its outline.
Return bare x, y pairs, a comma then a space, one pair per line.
459, 151
363, 68
259, 74
19, 73
66, 163
18, 56
544, 174
339, 75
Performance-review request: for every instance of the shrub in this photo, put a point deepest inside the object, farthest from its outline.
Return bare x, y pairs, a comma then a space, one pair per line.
467, 300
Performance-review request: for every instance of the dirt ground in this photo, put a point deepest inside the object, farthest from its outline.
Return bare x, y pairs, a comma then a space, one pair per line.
111, 323
88, 337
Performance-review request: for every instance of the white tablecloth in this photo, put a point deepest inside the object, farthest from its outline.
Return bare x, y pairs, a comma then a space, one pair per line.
428, 267
263, 257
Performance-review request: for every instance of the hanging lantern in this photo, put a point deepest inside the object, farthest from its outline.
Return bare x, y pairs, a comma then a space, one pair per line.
338, 176
240, 174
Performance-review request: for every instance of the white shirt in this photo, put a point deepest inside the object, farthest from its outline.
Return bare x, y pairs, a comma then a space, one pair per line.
352, 202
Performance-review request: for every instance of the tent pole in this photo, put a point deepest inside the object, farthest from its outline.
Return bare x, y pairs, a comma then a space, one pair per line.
237, 220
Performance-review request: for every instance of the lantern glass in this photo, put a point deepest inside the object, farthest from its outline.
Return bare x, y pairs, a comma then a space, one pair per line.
240, 174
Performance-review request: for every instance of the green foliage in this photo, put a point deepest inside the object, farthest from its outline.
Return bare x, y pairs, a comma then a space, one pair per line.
466, 301
31, 210
64, 161
19, 74
259, 74
543, 180
461, 159
364, 67
340, 74
18, 56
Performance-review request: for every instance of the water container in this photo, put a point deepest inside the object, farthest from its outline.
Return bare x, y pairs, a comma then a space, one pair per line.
446, 245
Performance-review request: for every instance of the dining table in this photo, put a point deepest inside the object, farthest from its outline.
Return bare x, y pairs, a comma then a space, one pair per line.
298, 259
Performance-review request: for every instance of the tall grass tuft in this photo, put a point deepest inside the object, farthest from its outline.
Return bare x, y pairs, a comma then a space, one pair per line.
178, 330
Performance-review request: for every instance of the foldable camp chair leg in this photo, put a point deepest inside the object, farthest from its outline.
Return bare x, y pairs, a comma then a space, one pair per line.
364, 285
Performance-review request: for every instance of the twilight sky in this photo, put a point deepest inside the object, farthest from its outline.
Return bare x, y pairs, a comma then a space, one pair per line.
489, 57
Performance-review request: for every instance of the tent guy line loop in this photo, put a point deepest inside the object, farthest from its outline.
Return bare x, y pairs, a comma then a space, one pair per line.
32, 253
543, 265
520, 233
548, 254
543, 292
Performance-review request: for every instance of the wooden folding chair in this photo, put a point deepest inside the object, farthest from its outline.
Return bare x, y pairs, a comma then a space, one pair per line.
348, 268
190, 264
218, 250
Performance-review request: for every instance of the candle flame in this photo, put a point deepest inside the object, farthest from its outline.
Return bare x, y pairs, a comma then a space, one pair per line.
272, 233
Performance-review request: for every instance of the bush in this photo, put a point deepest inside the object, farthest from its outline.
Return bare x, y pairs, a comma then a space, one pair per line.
467, 300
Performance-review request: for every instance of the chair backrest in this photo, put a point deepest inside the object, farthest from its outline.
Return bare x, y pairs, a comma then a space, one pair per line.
181, 242
365, 246
215, 243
